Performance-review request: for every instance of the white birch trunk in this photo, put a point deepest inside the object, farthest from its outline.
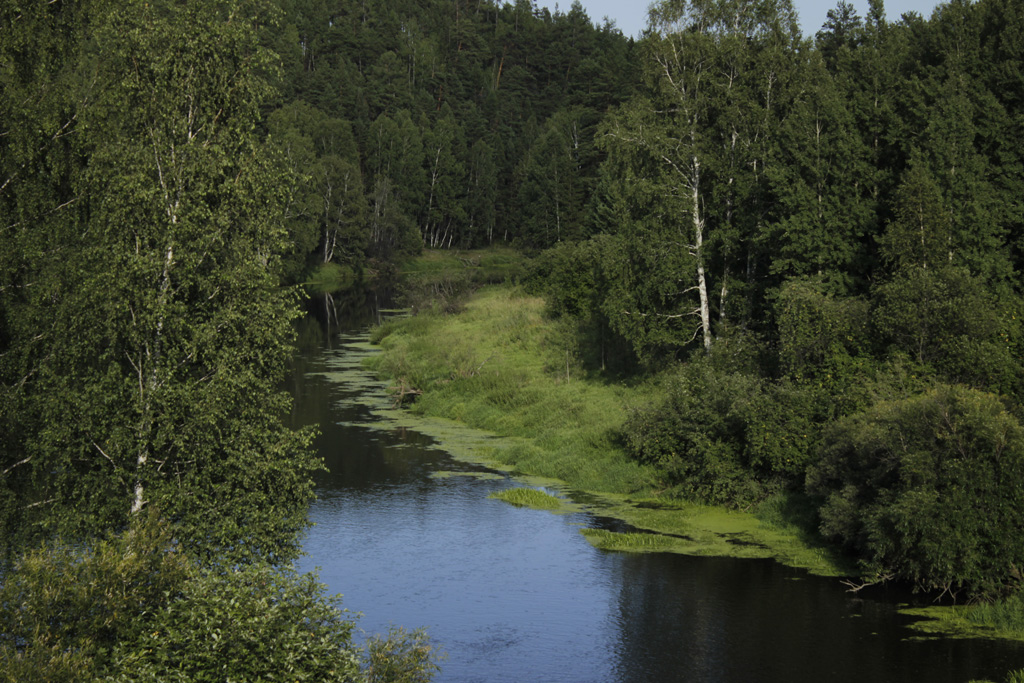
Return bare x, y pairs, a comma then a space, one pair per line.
698, 241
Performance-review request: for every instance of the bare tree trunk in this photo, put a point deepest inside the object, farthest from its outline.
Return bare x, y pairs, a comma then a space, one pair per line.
698, 241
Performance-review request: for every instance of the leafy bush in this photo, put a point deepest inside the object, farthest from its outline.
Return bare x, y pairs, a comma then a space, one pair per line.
817, 330
945, 318
725, 437
256, 623
927, 489
400, 657
134, 608
64, 606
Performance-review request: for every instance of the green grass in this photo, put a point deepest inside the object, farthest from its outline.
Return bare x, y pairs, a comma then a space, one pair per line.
330, 277
629, 542
481, 476
500, 367
482, 265
443, 279
487, 368
1004, 616
1000, 619
529, 498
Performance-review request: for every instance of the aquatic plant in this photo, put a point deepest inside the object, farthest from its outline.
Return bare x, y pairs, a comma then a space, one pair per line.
530, 498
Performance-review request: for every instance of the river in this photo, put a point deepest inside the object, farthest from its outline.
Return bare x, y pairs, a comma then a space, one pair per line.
514, 595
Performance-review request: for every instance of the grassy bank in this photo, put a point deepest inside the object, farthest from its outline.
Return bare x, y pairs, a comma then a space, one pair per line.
499, 365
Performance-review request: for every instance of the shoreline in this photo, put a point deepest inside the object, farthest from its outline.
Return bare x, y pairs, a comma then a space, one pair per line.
491, 385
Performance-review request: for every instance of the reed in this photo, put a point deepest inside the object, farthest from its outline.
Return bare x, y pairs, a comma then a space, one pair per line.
632, 542
528, 498
1005, 616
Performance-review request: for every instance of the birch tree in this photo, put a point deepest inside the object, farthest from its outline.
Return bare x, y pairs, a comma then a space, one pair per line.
167, 331
685, 144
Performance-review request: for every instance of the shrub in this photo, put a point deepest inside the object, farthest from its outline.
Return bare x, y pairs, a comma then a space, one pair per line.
926, 489
726, 437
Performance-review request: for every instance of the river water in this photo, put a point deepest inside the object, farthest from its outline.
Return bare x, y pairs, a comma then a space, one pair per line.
515, 595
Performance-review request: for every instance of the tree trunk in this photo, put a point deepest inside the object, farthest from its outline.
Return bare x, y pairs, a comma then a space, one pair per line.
698, 241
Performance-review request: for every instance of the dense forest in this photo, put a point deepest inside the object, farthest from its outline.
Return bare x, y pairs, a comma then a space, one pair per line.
817, 239
824, 239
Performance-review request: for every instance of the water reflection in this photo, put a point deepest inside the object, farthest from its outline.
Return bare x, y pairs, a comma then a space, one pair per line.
518, 595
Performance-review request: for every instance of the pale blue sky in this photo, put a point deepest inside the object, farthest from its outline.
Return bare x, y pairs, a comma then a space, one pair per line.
631, 15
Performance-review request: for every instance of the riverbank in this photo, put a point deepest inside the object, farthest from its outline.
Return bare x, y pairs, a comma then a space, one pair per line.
500, 366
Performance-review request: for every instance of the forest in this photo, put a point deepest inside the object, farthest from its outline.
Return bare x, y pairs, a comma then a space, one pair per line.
815, 240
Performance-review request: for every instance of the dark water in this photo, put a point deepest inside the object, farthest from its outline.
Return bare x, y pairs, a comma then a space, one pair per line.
519, 595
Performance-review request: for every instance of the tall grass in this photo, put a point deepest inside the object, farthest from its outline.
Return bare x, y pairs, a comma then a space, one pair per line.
529, 498
443, 279
497, 366
1005, 616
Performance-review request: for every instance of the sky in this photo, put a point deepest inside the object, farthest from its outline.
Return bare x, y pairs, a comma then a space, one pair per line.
631, 15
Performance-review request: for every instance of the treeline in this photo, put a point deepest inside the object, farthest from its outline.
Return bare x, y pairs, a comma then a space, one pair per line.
823, 238
441, 124
151, 496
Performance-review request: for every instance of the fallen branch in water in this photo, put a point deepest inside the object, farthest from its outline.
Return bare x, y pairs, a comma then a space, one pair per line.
402, 390
856, 587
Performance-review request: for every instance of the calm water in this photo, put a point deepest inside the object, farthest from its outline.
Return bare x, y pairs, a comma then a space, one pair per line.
519, 595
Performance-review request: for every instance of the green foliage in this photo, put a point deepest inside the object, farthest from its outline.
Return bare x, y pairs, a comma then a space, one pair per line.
253, 623
925, 489
818, 331
146, 372
726, 437
400, 657
627, 542
64, 608
920, 235
327, 213
569, 276
497, 366
134, 607
1004, 615
947, 319
1016, 676
574, 278
443, 279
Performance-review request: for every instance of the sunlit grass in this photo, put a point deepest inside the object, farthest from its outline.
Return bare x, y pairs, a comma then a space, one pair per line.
481, 476
485, 265
488, 367
999, 619
628, 542
529, 498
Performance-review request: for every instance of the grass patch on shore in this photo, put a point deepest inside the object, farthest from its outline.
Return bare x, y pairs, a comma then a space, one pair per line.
443, 279
481, 476
498, 366
529, 498
483, 266
999, 619
1003, 616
